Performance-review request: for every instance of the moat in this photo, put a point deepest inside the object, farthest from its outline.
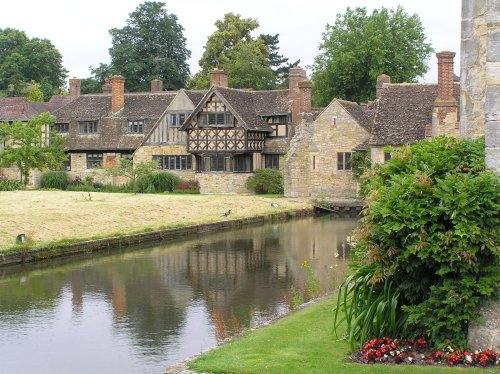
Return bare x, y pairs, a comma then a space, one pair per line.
141, 310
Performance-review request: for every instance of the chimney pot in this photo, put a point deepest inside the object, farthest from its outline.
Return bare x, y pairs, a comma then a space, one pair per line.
156, 85
74, 87
381, 80
106, 87
117, 92
219, 78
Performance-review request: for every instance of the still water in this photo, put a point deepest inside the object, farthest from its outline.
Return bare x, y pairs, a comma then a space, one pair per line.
142, 310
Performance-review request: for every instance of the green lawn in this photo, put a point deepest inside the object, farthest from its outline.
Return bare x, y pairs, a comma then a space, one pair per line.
301, 343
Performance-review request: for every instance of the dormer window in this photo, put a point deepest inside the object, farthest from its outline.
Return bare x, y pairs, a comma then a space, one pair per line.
136, 127
88, 127
61, 128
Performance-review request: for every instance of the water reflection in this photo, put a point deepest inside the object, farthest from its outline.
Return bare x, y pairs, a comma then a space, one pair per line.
142, 310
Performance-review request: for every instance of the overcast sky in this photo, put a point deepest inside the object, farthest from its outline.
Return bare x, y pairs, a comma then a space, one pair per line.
79, 29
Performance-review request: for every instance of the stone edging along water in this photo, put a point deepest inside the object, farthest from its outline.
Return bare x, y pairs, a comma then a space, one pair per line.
43, 253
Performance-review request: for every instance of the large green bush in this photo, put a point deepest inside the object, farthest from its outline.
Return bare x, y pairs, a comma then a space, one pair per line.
54, 179
430, 231
156, 182
266, 181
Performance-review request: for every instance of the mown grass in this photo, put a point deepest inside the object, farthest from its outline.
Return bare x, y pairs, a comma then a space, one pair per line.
301, 343
59, 217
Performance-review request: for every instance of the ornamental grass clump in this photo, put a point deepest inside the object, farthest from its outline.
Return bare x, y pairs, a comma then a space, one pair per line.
427, 250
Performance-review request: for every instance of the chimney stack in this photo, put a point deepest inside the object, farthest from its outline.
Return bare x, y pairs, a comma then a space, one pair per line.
106, 87
219, 78
445, 76
300, 93
381, 80
117, 93
445, 119
74, 87
156, 85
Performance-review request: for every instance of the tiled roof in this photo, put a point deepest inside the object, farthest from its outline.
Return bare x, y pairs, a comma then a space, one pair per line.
20, 109
195, 96
251, 104
362, 113
403, 112
113, 129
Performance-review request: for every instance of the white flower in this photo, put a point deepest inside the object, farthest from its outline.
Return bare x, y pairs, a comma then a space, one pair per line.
422, 356
398, 352
385, 356
392, 353
449, 349
410, 359
468, 358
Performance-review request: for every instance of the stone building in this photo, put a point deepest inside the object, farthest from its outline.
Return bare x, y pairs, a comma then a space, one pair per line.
318, 163
319, 160
480, 75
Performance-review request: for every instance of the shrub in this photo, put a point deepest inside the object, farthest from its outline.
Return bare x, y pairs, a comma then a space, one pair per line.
165, 181
156, 182
54, 179
266, 181
10, 185
430, 231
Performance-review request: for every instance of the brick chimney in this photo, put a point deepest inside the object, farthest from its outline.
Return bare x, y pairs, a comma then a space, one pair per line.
445, 113
117, 92
381, 80
106, 87
219, 78
156, 85
74, 87
305, 89
300, 93
445, 76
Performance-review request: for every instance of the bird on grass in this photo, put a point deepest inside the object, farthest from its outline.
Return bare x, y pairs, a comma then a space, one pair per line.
225, 214
274, 205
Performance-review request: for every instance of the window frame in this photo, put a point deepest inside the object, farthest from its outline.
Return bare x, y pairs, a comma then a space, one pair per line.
58, 125
138, 123
174, 162
205, 119
88, 128
344, 161
272, 161
94, 160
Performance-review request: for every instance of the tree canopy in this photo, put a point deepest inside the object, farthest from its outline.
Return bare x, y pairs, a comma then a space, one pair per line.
251, 62
361, 46
23, 60
31, 145
151, 45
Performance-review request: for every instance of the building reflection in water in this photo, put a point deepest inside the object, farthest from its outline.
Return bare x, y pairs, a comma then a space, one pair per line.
155, 296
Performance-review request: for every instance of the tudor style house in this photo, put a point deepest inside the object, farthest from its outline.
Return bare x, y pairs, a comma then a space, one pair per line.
318, 163
100, 128
220, 136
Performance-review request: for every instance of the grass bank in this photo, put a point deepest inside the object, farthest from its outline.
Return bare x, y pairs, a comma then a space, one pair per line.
49, 217
301, 343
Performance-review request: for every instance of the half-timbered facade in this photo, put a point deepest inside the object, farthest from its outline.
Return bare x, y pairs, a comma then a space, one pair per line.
229, 131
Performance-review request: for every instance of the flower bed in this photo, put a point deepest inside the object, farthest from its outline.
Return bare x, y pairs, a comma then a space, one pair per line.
416, 351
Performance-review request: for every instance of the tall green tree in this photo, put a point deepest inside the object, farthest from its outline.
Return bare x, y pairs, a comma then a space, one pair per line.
361, 46
151, 45
23, 60
279, 64
251, 62
31, 145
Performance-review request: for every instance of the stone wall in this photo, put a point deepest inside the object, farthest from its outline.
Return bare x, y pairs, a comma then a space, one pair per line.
480, 75
377, 154
145, 154
223, 183
311, 165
